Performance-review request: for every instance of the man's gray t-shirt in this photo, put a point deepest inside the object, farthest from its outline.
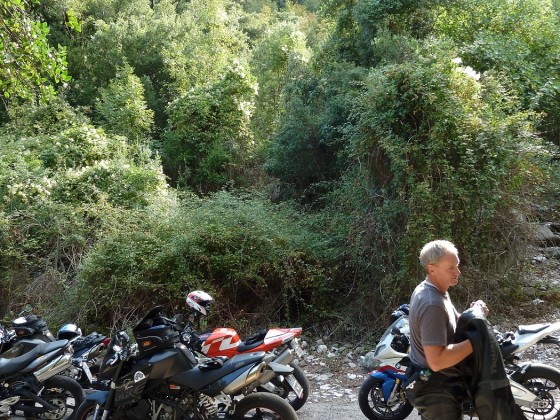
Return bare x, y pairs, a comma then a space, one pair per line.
433, 320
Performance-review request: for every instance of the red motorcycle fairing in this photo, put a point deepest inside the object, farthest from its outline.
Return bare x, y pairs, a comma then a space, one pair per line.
226, 341
220, 342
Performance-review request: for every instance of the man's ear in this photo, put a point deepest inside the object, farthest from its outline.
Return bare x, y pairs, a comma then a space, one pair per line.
430, 269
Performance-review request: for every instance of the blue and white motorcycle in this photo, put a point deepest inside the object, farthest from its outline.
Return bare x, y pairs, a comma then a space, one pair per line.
535, 386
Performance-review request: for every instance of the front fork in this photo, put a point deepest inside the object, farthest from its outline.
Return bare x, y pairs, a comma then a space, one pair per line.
96, 412
394, 391
392, 379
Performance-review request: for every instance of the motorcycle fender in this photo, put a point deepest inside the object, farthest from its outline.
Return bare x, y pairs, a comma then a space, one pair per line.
280, 368
98, 396
388, 383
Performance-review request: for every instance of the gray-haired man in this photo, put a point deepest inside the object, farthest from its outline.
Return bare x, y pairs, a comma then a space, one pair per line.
433, 320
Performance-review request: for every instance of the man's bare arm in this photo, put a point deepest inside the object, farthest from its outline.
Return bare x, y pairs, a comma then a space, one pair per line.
441, 357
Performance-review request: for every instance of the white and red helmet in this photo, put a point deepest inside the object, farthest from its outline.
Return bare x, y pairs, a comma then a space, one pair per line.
199, 301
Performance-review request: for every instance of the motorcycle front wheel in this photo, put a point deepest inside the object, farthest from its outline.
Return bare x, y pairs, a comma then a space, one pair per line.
264, 406
373, 405
86, 410
544, 382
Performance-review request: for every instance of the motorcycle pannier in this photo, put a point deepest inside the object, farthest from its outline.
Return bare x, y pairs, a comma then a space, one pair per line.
156, 337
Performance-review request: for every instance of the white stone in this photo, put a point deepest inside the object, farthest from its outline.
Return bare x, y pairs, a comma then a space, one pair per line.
322, 348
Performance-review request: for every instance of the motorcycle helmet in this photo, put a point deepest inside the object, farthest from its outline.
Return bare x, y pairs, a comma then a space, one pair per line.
400, 311
405, 307
199, 301
69, 332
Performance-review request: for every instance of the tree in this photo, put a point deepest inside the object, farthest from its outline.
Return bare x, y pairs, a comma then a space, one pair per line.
277, 56
438, 152
520, 40
208, 141
308, 147
30, 65
122, 108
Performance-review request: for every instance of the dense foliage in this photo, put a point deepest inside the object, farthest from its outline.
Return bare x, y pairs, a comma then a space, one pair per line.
28, 60
289, 157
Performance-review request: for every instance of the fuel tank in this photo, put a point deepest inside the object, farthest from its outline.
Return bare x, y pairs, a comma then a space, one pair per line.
152, 370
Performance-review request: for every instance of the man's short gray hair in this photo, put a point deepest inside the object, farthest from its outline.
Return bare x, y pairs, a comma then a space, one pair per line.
433, 251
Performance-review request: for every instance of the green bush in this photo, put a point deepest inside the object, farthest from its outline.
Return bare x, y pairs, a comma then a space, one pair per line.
437, 154
58, 190
259, 262
122, 108
209, 141
309, 147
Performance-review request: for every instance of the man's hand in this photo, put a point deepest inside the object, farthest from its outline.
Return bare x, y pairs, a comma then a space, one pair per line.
482, 305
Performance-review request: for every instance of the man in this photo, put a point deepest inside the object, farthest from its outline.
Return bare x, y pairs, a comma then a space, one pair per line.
437, 393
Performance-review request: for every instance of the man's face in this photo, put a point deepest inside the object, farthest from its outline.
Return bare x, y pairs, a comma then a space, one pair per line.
445, 273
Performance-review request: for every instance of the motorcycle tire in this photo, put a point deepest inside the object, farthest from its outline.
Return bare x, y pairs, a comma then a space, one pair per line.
543, 381
284, 390
374, 407
64, 393
264, 405
85, 410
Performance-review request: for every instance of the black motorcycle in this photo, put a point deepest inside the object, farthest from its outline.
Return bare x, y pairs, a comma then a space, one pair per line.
89, 351
27, 334
159, 378
30, 384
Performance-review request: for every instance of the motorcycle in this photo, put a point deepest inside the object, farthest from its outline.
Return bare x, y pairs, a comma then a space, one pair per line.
88, 353
27, 332
281, 345
30, 331
30, 383
535, 386
159, 378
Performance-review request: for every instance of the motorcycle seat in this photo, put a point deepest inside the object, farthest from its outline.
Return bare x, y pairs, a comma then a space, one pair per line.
11, 366
88, 341
198, 379
531, 329
243, 347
